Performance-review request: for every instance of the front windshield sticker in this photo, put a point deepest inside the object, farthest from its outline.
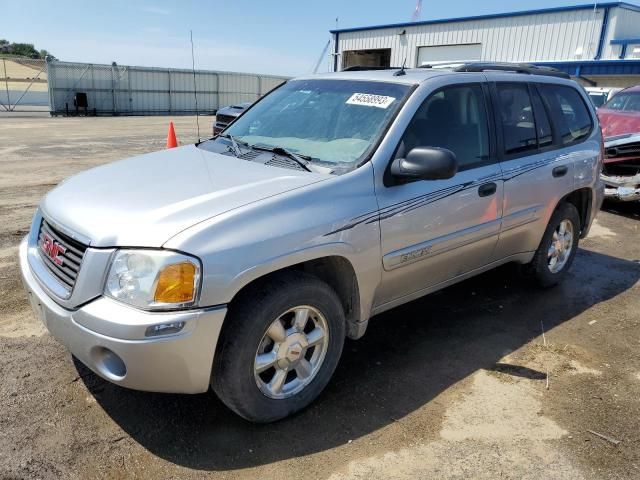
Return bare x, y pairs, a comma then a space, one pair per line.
369, 100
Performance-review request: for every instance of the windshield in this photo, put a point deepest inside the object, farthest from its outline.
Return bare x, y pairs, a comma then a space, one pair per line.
626, 101
335, 122
598, 98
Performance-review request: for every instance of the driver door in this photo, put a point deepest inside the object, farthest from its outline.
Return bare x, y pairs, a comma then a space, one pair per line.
436, 230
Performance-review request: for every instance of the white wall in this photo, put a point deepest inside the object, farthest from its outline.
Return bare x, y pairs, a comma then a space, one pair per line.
540, 37
622, 24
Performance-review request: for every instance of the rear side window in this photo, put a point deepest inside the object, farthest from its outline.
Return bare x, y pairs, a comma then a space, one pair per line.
517, 118
543, 127
569, 112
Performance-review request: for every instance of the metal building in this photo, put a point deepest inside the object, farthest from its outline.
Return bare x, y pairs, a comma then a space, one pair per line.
125, 90
599, 43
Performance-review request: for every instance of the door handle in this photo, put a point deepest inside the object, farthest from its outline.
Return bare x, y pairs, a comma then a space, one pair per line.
487, 189
560, 171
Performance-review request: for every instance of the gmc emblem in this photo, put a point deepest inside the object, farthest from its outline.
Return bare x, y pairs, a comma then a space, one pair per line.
53, 249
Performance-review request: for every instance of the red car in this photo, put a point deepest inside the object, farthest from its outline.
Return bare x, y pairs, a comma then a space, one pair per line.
621, 114
620, 123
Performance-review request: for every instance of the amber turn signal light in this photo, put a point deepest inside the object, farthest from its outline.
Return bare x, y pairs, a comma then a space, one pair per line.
176, 283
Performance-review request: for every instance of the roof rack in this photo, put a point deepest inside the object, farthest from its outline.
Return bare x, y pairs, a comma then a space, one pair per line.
363, 68
512, 67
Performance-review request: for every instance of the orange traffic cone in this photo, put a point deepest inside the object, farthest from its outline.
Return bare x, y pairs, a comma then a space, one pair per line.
172, 142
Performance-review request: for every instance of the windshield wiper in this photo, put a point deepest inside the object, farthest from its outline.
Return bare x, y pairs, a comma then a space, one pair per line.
234, 144
301, 160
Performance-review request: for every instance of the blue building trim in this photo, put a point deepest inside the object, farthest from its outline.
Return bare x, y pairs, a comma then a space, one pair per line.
624, 41
623, 52
603, 33
605, 5
596, 67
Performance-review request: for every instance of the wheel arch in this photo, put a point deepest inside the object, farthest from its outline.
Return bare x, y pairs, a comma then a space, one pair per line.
335, 270
582, 199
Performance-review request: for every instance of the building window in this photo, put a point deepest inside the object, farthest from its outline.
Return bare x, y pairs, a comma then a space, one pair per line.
366, 58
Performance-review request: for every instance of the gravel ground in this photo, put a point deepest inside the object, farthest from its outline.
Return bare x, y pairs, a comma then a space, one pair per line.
451, 386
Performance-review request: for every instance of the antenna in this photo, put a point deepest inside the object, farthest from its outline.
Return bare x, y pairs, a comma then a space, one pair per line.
195, 88
401, 72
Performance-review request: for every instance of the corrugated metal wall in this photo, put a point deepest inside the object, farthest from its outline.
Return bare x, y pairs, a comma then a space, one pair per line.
124, 90
623, 24
535, 37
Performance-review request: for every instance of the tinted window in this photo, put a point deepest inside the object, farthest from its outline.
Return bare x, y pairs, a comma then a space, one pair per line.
597, 98
625, 101
543, 127
570, 114
454, 118
516, 115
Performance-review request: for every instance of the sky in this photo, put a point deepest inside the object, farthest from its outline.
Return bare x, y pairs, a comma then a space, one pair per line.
282, 37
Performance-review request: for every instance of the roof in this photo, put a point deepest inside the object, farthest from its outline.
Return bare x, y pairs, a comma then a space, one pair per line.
634, 89
625, 5
413, 76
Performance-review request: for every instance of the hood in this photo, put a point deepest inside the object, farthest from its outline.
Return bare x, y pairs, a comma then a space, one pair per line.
617, 122
145, 200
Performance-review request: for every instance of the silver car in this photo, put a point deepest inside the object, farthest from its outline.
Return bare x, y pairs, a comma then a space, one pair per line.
243, 262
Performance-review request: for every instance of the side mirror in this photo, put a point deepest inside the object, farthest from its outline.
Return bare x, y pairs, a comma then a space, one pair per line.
426, 163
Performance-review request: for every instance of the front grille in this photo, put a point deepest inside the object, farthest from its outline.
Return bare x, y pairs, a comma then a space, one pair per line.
621, 151
224, 119
54, 245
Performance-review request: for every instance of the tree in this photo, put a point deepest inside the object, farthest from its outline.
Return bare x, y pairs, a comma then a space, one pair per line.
22, 49
45, 54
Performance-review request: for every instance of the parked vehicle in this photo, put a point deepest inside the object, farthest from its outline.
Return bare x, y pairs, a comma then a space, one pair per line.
243, 262
620, 122
600, 95
226, 115
621, 115
621, 170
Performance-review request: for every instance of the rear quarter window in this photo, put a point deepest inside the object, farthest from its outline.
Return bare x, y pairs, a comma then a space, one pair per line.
569, 112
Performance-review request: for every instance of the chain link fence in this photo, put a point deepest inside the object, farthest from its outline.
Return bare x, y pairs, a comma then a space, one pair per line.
93, 89
23, 84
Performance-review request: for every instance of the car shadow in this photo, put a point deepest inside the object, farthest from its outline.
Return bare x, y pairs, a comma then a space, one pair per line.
408, 356
625, 209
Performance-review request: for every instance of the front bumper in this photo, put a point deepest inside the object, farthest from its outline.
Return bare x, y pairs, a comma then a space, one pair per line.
626, 189
109, 338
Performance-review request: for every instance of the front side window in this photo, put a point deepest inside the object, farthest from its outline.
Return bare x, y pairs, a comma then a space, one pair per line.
454, 118
626, 101
330, 122
570, 113
517, 118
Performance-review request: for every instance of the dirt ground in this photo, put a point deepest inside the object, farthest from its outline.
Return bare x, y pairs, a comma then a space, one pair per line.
452, 386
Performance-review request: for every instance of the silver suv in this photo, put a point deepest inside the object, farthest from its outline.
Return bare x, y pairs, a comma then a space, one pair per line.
243, 262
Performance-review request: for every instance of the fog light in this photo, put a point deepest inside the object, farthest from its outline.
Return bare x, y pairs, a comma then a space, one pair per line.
109, 363
164, 329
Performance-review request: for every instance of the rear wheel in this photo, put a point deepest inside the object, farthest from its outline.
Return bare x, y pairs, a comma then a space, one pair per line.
558, 247
281, 345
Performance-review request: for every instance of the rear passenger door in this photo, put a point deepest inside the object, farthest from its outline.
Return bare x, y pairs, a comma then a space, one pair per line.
537, 134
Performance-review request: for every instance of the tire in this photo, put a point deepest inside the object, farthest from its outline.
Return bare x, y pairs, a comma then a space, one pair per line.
235, 378
541, 270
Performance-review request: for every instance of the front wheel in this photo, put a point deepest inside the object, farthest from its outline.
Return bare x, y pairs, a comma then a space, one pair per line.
281, 344
558, 247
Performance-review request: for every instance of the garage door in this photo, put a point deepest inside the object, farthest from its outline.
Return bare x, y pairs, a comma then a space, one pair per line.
449, 53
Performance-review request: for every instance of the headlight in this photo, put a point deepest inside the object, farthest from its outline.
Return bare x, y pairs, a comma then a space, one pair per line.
153, 279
